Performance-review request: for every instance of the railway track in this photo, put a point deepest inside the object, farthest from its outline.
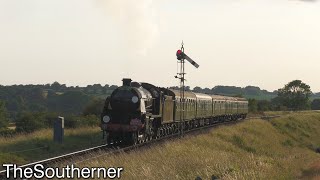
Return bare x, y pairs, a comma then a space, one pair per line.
106, 149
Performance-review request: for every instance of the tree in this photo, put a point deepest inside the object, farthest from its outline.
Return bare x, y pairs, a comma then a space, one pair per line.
276, 104
253, 106
96, 88
264, 105
56, 86
238, 95
175, 88
206, 91
252, 90
94, 107
315, 105
197, 89
105, 89
226, 90
295, 95
71, 102
113, 87
3, 116
30, 122
88, 89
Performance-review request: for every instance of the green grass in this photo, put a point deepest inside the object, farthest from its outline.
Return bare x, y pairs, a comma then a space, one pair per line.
282, 148
39, 145
268, 113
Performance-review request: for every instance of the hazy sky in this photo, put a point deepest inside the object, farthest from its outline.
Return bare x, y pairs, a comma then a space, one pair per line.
265, 43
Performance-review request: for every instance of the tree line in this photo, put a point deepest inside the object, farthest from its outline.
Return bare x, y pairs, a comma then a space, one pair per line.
294, 96
35, 106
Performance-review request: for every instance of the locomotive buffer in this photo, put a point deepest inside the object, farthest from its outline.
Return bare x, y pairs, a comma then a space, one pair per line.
181, 56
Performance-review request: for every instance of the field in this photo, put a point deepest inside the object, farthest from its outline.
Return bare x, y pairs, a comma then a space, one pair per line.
24, 148
282, 148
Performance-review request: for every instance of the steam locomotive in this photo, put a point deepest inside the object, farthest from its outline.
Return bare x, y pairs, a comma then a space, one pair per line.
137, 112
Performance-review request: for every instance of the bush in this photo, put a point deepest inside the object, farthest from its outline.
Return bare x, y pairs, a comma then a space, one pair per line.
71, 122
94, 107
80, 121
90, 120
3, 116
315, 105
30, 122
264, 105
7, 132
253, 106
49, 119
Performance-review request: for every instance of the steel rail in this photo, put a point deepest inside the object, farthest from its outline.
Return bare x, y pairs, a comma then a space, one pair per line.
167, 137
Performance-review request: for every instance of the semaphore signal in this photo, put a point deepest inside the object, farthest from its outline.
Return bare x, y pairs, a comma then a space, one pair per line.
181, 56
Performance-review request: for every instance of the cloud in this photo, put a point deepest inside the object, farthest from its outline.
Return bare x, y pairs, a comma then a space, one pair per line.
308, 0
136, 20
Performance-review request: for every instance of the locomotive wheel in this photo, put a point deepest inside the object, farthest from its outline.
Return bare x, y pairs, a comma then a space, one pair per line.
166, 131
171, 130
134, 138
130, 138
175, 129
158, 133
108, 139
142, 139
117, 139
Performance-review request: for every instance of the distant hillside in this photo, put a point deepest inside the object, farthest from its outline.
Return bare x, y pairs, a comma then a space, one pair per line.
249, 92
62, 99
51, 98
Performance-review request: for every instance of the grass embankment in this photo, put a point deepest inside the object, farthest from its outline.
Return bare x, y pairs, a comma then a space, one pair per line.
282, 148
269, 113
39, 145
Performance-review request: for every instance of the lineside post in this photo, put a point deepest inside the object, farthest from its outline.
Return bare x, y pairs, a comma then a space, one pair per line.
58, 130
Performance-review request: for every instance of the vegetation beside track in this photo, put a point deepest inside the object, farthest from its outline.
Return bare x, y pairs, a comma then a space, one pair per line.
23, 148
281, 148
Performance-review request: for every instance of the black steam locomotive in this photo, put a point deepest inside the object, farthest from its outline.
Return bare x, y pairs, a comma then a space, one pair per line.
138, 112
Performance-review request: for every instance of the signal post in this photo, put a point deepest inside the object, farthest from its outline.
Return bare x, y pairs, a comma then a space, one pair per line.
181, 56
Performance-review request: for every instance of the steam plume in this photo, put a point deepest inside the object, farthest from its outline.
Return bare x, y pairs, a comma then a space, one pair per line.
136, 19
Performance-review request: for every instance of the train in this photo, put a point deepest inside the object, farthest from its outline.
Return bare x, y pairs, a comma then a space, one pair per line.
138, 112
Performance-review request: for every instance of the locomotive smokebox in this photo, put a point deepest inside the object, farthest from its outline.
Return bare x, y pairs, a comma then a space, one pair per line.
126, 81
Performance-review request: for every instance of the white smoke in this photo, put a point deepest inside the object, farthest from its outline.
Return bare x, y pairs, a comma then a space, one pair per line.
136, 19
309, 0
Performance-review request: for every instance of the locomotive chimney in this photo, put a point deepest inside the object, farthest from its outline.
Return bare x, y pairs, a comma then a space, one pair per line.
126, 81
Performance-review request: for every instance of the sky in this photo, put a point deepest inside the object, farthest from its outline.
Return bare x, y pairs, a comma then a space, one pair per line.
264, 43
